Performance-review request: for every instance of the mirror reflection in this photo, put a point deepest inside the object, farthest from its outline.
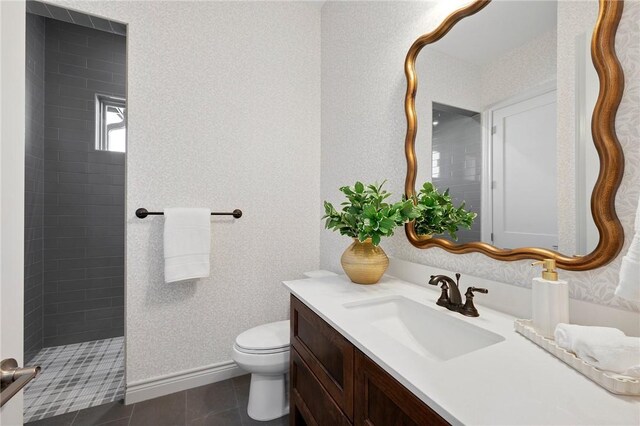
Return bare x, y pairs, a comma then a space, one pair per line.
509, 94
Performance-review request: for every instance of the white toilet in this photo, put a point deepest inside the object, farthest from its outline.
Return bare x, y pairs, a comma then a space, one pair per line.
264, 352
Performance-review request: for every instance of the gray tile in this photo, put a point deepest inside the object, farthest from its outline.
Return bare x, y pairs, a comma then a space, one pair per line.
103, 414
225, 418
67, 80
83, 305
98, 64
213, 398
241, 386
248, 421
82, 337
101, 24
167, 410
112, 312
63, 101
86, 51
88, 73
62, 420
59, 13
119, 422
55, 58
81, 19
108, 88
65, 318
79, 114
38, 8
119, 28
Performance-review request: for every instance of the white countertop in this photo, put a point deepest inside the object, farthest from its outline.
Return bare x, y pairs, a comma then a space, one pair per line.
513, 382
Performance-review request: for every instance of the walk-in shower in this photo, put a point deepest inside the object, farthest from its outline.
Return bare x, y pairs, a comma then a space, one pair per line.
74, 209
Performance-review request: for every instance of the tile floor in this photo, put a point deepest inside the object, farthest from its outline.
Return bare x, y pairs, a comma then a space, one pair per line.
220, 404
75, 377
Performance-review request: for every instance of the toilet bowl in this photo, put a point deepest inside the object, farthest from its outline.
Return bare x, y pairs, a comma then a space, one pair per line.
263, 351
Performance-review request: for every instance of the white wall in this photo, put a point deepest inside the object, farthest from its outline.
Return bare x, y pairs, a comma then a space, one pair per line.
452, 82
363, 128
223, 112
12, 146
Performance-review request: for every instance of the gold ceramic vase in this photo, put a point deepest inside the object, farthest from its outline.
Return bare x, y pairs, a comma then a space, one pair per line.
363, 262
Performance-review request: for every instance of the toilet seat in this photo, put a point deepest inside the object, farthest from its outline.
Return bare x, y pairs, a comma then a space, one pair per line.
261, 351
264, 339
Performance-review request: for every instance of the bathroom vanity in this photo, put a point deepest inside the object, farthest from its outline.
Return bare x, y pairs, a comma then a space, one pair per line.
387, 354
332, 382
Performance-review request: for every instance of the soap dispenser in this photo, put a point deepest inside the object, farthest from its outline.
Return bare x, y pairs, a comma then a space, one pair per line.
550, 299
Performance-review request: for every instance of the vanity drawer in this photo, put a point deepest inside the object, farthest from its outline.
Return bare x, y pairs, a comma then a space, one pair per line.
310, 402
328, 354
381, 400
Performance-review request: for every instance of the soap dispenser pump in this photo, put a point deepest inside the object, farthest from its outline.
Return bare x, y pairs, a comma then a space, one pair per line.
550, 299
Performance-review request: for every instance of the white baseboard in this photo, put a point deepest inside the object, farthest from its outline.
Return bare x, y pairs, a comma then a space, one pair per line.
179, 381
516, 301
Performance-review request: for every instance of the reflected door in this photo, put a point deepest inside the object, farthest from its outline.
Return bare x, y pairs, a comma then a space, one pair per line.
524, 173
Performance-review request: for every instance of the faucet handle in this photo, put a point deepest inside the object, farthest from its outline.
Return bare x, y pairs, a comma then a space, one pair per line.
443, 300
469, 308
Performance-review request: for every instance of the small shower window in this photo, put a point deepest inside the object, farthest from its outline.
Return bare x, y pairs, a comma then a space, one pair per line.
111, 123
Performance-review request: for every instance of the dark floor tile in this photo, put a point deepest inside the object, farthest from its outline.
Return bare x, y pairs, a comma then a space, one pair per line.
244, 380
241, 386
103, 414
225, 418
248, 421
119, 422
167, 410
210, 399
61, 420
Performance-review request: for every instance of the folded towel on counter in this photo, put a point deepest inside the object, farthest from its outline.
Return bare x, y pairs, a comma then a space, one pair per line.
187, 243
620, 355
607, 349
629, 284
568, 335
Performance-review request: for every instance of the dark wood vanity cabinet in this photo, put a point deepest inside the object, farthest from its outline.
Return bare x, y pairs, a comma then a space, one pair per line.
333, 383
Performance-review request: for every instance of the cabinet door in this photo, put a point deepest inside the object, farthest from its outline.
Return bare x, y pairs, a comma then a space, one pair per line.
380, 400
311, 404
327, 353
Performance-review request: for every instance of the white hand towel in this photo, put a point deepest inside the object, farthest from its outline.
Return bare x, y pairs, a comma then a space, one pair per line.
187, 243
606, 348
619, 355
629, 284
567, 336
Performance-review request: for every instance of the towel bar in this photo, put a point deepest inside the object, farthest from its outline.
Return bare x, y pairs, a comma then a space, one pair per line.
142, 213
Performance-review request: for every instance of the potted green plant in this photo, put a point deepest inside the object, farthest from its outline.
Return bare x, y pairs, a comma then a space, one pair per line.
367, 217
438, 215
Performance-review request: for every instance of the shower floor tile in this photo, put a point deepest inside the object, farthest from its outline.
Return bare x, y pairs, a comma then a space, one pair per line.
74, 377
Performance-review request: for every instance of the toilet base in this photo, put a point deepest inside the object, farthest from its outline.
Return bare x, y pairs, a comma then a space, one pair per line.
268, 397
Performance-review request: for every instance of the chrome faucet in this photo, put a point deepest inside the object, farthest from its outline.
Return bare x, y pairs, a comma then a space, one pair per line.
450, 297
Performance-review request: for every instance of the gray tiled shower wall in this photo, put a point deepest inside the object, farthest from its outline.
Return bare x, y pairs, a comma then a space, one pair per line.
84, 188
34, 186
458, 139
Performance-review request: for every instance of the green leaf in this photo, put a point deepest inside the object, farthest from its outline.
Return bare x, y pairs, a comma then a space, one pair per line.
359, 187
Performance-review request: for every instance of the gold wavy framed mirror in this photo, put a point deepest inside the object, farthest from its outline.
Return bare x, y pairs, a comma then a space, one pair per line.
609, 151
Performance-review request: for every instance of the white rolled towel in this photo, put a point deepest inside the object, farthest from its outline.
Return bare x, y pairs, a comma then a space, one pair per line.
619, 355
605, 348
568, 335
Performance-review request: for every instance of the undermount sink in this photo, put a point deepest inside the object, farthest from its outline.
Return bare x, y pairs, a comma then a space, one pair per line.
432, 334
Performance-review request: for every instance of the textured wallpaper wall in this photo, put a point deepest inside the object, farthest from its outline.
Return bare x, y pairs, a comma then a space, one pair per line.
363, 128
223, 112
